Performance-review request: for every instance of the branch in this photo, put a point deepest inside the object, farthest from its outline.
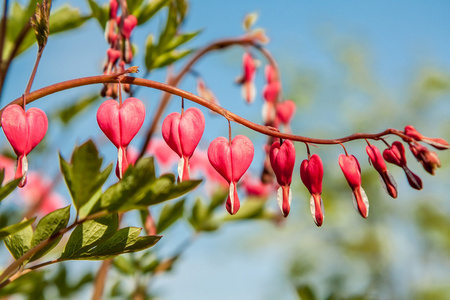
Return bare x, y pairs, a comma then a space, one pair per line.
269, 131
175, 80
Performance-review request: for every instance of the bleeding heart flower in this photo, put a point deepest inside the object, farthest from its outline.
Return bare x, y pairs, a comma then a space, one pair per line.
24, 130
311, 172
386, 179
128, 25
113, 6
285, 112
282, 160
164, 155
438, 143
273, 86
352, 172
182, 132
120, 124
248, 77
255, 187
231, 160
396, 155
429, 159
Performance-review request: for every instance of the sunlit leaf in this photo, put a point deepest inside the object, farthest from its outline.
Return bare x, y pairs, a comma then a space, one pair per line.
149, 10
11, 229
20, 242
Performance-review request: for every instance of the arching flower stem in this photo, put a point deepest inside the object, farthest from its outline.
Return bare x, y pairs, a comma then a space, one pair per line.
69, 84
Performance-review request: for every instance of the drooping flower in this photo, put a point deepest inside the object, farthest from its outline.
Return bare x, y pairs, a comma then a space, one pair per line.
377, 161
352, 172
120, 124
231, 160
248, 77
438, 143
182, 132
253, 186
311, 173
24, 131
396, 155
165, 157
282, 160
273, 86
429, 159
284, 113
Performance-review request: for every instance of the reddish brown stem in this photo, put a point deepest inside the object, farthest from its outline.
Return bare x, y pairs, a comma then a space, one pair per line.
214, 107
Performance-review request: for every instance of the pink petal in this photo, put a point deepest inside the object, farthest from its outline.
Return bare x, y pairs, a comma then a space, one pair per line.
132, 116
282, 159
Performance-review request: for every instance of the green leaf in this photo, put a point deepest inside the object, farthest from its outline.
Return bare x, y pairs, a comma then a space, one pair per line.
201, 218
169, 30
124, 265
20, 242
149, 10
150, 52
132, 188
8, 188
48, 226
66, 18
169, 214
134, 6
168, 58
11, 229
99, 13
76, 106
2, 175
89, 234
82, 175
181, 39
123, 241
305, 292
218, 198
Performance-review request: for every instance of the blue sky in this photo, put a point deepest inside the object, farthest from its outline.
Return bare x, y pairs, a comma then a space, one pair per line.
397, 39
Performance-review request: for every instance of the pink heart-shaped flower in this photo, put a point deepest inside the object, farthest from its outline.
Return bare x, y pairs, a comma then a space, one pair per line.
231, 161
121, 124
182, 132
285, 111
24, 130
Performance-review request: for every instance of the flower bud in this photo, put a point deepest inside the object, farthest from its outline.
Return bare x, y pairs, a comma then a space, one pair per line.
352, 172
396, 155
377, 161
311, 173
438, 143
429, 159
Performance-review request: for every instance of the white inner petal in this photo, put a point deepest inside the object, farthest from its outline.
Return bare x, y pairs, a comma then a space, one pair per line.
180, 169
280, 198
119, 161
231, 194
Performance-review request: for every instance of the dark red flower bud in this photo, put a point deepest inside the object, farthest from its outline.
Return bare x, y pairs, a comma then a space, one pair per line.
377, 161
396, 155
352, 172
438, 143
311, 173
429, 159
282, 160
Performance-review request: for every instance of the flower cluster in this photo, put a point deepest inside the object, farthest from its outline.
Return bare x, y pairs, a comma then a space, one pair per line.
120, 53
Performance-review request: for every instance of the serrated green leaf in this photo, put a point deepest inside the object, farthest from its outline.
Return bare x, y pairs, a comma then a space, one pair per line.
8, 188
20, 242
168, 58
169, 214
48, 226
76, 106
82, 175
101, 14
123, 241
181, 39
11, 229
149, 10
89, 234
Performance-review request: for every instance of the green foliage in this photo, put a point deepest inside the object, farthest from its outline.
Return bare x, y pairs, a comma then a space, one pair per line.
149, 10
40, 23
169, 215
123, 241
6, 231
101, 14
47, 227
83, 176
20, 242
202, 218
8, 188
89, 234
140, 188
76, 106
